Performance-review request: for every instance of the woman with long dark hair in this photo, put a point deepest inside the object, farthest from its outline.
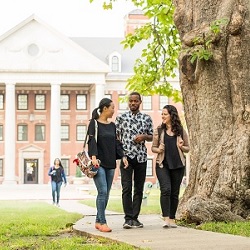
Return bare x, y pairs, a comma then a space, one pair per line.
170, 142
103, 153
57, 174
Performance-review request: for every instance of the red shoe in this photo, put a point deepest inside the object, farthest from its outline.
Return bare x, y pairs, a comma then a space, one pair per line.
104, 228
98, 225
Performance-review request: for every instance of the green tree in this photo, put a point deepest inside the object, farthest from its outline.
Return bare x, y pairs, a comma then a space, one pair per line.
159, 59
215, 91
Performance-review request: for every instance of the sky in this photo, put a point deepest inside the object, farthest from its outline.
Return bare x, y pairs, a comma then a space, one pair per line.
71, 17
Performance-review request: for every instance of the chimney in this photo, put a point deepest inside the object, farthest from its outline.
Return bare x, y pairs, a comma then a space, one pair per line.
133, 20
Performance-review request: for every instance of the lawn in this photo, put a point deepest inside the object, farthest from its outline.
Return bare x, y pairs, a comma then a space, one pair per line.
37, 225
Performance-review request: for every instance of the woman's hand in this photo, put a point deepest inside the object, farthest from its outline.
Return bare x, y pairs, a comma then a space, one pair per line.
180, 143
95, 161
161, 147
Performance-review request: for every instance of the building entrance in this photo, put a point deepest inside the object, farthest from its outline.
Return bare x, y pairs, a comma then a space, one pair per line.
30, 171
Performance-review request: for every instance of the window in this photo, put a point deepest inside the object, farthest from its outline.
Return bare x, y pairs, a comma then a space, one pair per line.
1, 132
40, 102
22, 132
115, 64
123, 105
147, 102
81, 131
163, 101
33, 49
1, 167
22, 102
39, 132
81, 102
149, 167
114, 60
65, 102
1, 101
65, 164
64, 132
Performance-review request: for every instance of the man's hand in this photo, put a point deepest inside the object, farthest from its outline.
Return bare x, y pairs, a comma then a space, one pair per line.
125, 161
139, 138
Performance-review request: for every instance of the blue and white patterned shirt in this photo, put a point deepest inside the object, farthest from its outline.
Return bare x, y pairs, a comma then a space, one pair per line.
128, 125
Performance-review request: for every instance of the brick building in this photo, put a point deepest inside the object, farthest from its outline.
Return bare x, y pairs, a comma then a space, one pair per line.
49, 85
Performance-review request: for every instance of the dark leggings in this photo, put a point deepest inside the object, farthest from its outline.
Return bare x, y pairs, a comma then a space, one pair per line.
170, 181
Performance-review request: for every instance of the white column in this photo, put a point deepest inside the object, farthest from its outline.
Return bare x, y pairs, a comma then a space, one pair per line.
10, 135
55, 122
99, 93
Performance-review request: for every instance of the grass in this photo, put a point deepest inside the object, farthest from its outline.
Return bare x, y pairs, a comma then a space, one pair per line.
38, 225
152, 206
235, 228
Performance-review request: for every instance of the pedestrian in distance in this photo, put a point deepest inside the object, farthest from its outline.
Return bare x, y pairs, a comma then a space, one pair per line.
170, 142
103, 154
134, 128
57, 174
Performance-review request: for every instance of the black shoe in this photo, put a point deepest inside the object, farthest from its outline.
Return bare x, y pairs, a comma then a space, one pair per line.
128, 224
137, 224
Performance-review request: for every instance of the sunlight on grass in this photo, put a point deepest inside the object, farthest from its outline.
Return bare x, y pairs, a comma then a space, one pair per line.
236, 228
40, 226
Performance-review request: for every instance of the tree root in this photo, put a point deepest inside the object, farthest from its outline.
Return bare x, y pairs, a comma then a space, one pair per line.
199, 210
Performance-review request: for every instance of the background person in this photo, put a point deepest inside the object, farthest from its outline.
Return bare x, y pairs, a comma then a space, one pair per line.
170, 141
133, 129
105, 151
56, 172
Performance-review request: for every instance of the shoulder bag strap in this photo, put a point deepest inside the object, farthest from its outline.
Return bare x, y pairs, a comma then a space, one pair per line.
86, 137
96, 130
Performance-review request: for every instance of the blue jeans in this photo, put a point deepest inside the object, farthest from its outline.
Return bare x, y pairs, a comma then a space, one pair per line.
56, 188
103, 181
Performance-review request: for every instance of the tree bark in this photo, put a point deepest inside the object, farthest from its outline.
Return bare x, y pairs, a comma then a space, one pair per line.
216, 96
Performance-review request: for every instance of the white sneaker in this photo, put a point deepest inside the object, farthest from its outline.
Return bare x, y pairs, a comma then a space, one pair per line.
166, 225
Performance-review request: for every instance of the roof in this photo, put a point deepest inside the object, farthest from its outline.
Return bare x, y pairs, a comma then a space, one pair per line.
102, 47
136, 12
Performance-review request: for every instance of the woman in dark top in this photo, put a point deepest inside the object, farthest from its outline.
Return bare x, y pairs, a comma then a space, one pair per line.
57, 174
170, 142
104, 149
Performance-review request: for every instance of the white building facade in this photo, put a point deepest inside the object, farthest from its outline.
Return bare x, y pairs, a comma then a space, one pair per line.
49, 85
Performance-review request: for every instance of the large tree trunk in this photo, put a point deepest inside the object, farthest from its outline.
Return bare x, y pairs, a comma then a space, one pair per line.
216, 97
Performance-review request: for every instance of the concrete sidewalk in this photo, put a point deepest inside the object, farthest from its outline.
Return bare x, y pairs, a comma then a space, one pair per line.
152, 236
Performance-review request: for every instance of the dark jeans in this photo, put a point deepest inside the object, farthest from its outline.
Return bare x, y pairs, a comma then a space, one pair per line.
135, 174
170, 181
103, 182
56, 188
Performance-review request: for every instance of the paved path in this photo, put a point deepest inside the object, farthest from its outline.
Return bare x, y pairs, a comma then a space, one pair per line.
152, 236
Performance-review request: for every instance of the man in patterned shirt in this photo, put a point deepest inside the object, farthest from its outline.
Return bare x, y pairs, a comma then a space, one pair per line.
133, 129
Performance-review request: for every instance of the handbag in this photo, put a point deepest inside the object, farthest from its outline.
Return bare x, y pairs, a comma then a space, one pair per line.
83, 160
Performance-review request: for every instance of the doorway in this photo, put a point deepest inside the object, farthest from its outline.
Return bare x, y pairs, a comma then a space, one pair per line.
30, 171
